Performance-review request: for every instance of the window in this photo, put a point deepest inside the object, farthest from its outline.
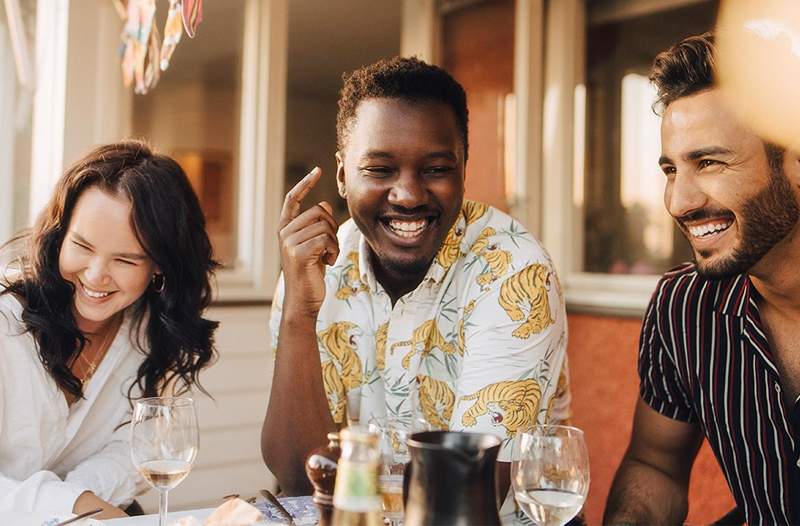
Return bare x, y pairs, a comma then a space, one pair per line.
219, 111
193, 115
626, 229
16, 113
603, 217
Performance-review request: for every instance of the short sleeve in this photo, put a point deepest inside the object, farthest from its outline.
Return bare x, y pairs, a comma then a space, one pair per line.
660, 387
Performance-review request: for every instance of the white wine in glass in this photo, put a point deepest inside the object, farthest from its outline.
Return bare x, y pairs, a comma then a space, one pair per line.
550, 473
164, 442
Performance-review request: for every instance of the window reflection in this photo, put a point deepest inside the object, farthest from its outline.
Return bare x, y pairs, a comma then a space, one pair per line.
193, 115
618, 182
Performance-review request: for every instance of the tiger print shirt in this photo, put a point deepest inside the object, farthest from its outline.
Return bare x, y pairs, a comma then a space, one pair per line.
479, 345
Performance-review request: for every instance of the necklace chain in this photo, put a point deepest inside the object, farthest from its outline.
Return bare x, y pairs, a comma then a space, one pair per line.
91, 365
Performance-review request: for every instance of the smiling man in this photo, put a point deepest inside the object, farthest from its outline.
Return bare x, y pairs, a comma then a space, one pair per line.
719, 354
432, 308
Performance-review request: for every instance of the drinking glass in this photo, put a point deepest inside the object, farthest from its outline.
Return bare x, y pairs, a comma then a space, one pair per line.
393, 435
164, 442
550, 473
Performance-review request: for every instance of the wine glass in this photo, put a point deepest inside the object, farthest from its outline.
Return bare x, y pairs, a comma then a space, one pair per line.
392, 438
550, 473
164, 442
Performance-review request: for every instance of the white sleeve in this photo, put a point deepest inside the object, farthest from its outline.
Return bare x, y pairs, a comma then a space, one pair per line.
42, 490
110, 473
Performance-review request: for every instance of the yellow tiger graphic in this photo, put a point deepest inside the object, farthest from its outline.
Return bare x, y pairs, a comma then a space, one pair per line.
436, 400
451, 247
473, 210
426, 337
512, 404
526, 292
461, 342
380, 346
351, 280
450, 251
338, 341
497, 259
335, 391
561, 389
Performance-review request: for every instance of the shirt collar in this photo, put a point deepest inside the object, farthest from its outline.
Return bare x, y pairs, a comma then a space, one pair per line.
733, 296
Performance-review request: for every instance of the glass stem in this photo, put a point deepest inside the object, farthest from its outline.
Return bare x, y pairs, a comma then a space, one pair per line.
162, 507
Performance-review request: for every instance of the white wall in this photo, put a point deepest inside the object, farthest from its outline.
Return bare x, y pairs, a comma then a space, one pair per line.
97, 104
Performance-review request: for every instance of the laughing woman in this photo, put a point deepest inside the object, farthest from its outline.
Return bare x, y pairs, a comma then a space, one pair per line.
106, 306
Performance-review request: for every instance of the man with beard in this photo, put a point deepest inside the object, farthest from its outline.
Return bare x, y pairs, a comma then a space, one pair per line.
719, 354
428, 297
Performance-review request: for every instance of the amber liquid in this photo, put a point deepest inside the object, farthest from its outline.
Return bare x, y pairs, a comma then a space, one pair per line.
356, 518
391, 488
165, 474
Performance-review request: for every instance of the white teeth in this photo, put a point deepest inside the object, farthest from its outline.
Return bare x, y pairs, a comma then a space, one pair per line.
708, 229
408, 228
94, 293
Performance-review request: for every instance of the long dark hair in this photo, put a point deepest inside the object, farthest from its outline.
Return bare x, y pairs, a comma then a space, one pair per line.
169, 224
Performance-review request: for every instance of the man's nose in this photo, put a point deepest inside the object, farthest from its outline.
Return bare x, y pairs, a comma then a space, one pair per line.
408, 190
683, 195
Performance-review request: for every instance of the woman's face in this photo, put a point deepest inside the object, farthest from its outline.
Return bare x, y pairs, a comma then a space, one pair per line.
103, 259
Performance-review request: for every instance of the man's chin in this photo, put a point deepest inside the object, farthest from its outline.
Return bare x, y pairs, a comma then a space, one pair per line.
718, 268
406, 266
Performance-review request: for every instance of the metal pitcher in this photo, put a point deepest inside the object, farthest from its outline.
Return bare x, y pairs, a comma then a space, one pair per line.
450, 480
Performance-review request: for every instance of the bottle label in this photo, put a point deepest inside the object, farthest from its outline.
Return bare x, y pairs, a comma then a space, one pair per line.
356, 487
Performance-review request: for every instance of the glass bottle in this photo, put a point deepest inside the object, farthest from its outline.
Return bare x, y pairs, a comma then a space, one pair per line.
356, 501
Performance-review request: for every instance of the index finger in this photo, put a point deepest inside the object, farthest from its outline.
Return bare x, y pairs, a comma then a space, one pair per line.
291, 204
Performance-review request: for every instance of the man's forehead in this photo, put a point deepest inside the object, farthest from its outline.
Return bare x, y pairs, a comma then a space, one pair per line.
383, 122
701, 120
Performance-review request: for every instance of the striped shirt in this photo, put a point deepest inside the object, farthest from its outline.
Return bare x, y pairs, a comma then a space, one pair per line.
704, 357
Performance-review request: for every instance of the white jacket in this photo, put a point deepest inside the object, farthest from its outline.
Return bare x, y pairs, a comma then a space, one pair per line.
50, 453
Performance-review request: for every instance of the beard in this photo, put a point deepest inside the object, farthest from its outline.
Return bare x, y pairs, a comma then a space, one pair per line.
765, 220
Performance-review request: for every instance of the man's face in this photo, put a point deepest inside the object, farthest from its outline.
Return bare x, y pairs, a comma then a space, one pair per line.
720, 189
402, 173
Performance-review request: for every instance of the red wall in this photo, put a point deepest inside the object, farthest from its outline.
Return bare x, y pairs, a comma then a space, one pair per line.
605, 386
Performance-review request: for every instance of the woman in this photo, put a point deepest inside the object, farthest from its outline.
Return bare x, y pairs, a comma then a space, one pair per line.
107, 308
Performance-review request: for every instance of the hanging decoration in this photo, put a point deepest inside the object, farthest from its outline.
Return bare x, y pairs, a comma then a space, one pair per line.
144, 55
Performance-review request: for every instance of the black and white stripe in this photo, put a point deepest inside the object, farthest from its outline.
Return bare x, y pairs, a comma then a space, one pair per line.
704, 357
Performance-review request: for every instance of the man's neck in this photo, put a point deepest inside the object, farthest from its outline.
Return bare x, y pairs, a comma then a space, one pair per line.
396, 284
777, 279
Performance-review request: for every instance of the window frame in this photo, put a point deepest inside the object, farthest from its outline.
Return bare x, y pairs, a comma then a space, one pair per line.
261, 129
562, 232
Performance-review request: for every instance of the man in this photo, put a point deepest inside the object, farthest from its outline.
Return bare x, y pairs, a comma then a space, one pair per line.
428, 297
719, 353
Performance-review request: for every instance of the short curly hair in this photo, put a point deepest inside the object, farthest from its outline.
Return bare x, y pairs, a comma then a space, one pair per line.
684, 69
408, 79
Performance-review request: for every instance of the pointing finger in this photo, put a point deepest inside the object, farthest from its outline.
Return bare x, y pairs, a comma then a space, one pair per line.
295, 196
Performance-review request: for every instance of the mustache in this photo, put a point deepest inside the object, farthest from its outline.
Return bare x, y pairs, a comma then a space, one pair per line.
704, 214
416, 211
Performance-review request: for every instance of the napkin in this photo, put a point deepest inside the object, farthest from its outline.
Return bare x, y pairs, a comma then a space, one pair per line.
233, 512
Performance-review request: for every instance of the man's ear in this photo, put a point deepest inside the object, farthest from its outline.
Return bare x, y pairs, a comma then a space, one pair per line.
340, 175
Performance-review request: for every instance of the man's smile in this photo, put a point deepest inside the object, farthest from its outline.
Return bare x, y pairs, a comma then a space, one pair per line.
408, 230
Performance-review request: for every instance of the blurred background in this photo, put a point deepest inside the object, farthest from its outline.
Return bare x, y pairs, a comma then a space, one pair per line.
562, 136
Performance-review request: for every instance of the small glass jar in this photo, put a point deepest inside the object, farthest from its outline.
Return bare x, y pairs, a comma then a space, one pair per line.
356, 499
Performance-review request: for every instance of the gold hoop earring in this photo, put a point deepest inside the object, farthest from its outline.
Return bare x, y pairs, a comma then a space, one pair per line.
159, 282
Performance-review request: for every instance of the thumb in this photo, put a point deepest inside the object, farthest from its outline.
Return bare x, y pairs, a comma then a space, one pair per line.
327, 206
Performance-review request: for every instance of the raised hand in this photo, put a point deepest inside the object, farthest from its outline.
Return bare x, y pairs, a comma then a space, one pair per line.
308, 242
